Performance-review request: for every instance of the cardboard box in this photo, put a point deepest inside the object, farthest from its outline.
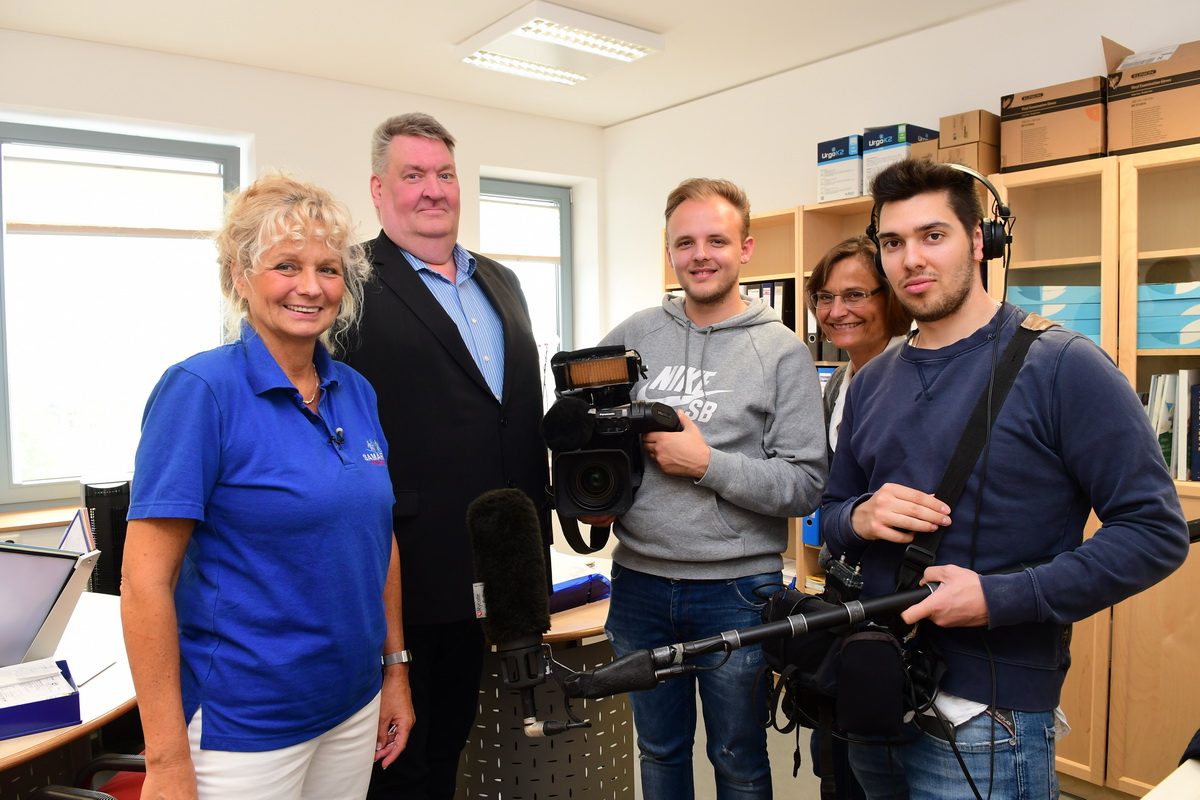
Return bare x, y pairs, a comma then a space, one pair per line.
979, 156
1175, 324
1153, 97
1053, 125
839, 168
1168, 291
1064, 313
887, 145
969, 127
1020, 295
1088, 327
927, 150
1159, 340
1169, 308
42, 715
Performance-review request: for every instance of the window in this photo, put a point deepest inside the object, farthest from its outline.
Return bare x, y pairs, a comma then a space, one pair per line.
527, 227
108, 278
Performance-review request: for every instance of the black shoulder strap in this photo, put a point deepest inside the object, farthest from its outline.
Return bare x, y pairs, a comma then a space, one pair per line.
597, 538
919, 556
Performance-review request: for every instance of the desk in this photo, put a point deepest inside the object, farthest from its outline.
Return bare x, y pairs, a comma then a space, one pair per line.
1182, 784
94, 649
583, 763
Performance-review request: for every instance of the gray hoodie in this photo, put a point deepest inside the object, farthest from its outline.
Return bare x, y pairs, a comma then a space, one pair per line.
750, 386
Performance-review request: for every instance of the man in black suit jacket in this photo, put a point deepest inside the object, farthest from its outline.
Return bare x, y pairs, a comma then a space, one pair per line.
446, 341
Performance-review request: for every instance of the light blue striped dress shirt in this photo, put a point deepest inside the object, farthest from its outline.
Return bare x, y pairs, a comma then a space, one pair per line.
468, 306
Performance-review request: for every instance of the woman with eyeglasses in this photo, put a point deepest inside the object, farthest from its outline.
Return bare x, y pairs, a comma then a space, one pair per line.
857, 311
860, 314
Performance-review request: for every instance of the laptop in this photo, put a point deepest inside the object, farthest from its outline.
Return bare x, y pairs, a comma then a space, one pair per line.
39, 587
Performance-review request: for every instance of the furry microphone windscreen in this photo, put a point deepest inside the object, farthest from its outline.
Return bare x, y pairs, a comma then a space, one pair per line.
506, 544
567, 425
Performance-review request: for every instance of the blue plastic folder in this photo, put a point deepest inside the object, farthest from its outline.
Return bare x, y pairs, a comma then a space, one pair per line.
42, 715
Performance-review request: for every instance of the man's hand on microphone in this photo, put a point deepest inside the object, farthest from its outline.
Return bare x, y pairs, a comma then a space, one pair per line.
396, 716
959, 601
683, 453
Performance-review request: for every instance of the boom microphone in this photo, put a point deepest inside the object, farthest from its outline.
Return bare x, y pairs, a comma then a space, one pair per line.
510, 568
568, 425
644, 669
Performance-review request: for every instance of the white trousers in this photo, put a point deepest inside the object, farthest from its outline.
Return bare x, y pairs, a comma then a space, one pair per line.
334, 766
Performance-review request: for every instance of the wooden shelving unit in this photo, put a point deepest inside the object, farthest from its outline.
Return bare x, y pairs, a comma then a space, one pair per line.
1113, 222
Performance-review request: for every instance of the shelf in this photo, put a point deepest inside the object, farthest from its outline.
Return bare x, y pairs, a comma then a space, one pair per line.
1177, 252
772, 219
847, 207
742, 280
776, 276
37, 518
1091, 261
1188, 488
1194, 352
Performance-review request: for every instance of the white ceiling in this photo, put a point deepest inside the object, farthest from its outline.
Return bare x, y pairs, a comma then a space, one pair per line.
408, 45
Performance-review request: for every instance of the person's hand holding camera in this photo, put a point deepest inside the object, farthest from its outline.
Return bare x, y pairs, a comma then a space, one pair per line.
683, 453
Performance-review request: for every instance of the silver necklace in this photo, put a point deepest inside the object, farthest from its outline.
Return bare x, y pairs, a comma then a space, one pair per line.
317, 389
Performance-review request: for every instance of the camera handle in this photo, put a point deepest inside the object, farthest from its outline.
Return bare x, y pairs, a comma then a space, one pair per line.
597, 539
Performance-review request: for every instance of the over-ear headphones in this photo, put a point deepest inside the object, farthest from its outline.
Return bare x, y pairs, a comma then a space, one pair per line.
996, 231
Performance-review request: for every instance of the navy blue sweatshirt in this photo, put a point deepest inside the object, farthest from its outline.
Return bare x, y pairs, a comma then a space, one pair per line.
1072, 436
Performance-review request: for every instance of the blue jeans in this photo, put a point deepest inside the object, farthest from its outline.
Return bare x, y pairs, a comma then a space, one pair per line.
1004, 763
647, 611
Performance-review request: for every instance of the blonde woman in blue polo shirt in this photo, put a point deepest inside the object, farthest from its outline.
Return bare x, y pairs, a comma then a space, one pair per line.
260, 583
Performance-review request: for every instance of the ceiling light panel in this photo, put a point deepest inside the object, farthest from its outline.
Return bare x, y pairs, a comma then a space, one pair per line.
546, 38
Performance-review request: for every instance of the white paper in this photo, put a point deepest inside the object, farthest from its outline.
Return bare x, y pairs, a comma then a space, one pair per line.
1148, 57
31, 682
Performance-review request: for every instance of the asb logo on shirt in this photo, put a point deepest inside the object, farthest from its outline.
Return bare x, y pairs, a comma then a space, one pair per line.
683, 387
374, 454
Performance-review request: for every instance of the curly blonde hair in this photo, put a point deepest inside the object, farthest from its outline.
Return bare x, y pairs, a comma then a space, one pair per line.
275, 208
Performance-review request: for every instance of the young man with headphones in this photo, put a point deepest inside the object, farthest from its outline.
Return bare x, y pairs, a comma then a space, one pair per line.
1013, 568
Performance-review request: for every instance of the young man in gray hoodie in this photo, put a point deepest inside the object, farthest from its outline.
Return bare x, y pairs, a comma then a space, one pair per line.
709, 522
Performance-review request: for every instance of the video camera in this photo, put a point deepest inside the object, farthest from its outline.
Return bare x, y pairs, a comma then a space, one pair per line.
595, 431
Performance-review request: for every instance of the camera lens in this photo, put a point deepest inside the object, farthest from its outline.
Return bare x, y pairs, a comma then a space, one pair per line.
595, 484
595, 481
590, 482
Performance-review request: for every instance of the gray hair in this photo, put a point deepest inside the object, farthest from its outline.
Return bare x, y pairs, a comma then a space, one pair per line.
411, 124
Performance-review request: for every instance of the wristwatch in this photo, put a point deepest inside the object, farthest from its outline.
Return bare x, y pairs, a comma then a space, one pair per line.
403, 657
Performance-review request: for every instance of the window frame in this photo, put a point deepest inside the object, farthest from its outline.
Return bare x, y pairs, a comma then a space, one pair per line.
561, 195
12, 495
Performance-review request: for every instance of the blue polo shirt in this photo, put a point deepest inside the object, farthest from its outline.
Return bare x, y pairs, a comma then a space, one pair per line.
279, 599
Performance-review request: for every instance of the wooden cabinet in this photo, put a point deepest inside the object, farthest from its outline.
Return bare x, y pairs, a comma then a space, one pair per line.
1118, 223
1160, 243
1065, 234
1154, 699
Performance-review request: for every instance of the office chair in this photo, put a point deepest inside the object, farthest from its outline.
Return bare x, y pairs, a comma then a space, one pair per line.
125, 785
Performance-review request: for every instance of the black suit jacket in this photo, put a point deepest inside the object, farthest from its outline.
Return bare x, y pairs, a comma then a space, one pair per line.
449, 439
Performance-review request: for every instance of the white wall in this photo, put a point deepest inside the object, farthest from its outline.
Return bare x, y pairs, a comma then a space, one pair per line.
317, 129
763, 136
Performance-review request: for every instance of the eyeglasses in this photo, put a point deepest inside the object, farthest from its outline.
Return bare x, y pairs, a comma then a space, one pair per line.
851, 299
